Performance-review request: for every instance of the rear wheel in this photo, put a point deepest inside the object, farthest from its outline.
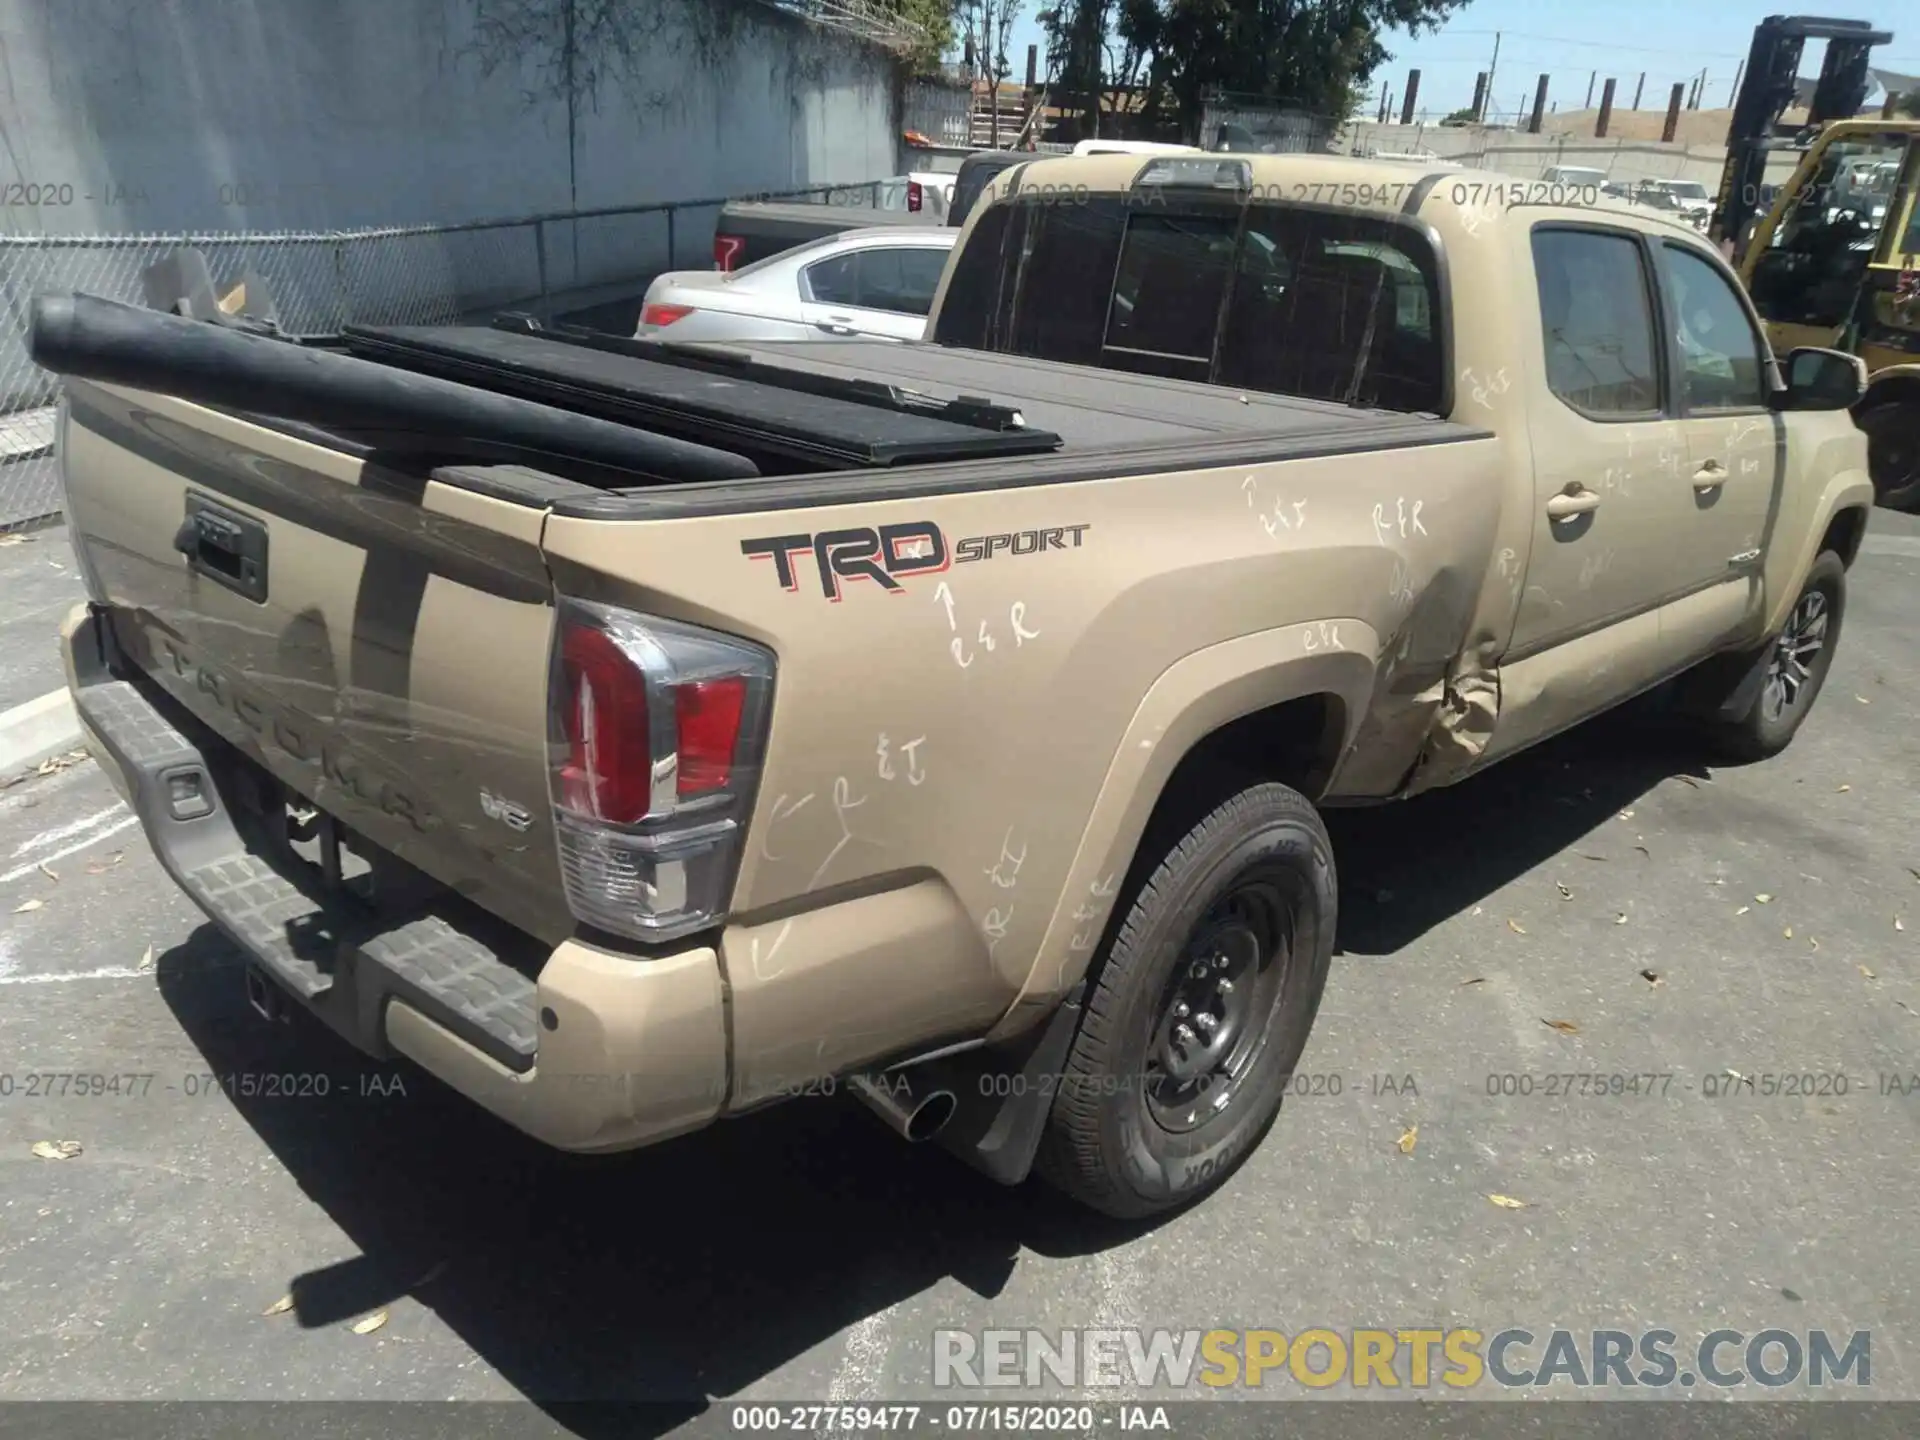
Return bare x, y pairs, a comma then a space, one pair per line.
1893, 452
1786, 676
1200, 1011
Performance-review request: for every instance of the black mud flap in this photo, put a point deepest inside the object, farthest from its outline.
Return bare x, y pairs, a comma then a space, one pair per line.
1005, 1093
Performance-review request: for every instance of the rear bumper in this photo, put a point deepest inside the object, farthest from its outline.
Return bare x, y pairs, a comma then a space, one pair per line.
582, 1048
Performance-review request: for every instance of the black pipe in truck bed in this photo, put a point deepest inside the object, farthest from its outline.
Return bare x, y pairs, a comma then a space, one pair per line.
89, 338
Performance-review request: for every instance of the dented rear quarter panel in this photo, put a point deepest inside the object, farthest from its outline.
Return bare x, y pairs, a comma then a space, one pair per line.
959, 769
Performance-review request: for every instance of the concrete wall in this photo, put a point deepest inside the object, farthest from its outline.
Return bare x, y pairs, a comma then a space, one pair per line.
162, 117
1516, 153
218, 115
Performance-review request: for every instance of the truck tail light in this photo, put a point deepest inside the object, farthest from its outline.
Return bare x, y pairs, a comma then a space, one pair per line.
726, 249
657, 315
657, 731
915, 196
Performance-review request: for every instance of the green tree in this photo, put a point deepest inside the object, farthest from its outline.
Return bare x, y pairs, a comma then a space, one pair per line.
933, 24
1317, 55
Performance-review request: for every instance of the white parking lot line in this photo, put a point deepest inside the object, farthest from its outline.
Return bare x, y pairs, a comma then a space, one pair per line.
74, 849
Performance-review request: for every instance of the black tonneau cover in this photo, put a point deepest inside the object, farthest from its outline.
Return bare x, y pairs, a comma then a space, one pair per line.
618, 380
1090, 410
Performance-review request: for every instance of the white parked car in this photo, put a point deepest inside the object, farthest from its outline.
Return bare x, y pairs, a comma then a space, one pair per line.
875, 282
1687, 198
1134, 147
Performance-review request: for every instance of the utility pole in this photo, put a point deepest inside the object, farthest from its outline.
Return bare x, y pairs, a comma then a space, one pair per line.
1492, 68
1413, 97
1539, 103
1638, 88
1737, 75
1592, 75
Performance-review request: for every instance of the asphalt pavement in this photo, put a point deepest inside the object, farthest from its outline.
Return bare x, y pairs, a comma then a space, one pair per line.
254, 1196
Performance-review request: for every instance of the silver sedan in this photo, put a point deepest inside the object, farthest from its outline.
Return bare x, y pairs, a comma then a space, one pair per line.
878, 282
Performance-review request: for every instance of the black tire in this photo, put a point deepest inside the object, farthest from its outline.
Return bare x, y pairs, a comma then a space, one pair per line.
1261, 863
1767, 725
1893, 452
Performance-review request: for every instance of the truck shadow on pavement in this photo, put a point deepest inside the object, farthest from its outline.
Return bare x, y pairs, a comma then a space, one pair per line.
702, 1265
693, 1268
1407, 866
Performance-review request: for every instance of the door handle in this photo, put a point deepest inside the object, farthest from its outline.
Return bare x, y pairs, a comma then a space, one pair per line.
835, 326
1572, 502
1710, 476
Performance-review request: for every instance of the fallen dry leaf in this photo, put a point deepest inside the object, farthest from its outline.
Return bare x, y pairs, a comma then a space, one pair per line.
1565, 893
1513, 925
1408, 1139
1688, 780
1843, 789
372, 1323
280, 1306
100, 867
1788, 932
1897, 924
1764, 899
14, 540
48, 871
1913, 872
1644, 851
1651, 977
56, 1149
1743, 909
1813, 942
146, 960
1868, 973
1863, 700
1626, 814
1565, 1027
1507, 1202
22, 908
1478, 908
1601, 858
1476, 980
1620, 918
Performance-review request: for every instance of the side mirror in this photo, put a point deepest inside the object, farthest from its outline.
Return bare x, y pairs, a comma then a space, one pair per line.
1820, 379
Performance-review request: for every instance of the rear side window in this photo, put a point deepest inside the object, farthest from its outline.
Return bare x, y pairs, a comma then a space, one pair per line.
1596, 319
1286, 300
901, 279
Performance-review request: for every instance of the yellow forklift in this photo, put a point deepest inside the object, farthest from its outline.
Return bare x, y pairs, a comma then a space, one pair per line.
1830, 256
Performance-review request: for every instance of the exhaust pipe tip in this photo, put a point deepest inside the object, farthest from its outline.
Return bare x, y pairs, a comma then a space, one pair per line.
930, 1117
914, 1116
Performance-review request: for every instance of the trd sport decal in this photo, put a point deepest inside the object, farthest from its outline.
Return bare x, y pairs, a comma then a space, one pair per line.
892, 553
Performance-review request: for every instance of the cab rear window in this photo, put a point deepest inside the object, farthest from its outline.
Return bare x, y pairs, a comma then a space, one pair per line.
1285, 299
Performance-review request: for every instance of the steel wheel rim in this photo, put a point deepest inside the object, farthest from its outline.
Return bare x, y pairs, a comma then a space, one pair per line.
1212, 1021
1795, 653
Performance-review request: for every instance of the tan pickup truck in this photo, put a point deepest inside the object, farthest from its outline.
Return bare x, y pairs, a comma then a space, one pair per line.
632, 734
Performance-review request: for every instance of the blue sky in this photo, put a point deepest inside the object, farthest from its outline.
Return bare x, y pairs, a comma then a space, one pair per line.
1671, 40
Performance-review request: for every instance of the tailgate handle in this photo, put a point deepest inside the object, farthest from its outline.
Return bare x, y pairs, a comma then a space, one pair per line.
227, 547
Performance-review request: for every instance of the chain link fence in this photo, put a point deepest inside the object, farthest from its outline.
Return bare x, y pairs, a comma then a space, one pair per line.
323, 280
